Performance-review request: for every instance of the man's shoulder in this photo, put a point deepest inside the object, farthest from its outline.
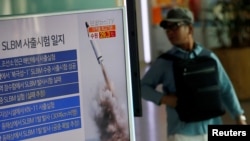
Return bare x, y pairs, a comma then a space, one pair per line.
168, 54
203, 51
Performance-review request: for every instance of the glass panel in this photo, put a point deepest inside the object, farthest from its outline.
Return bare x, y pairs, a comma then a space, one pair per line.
24, 7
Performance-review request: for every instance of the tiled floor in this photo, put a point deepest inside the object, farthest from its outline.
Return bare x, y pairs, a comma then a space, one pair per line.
152, 125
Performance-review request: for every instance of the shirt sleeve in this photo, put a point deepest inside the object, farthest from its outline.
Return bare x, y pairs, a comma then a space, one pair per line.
151, 79
229, 96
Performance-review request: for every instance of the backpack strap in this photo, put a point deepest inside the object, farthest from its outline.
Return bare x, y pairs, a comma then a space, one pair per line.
167, 56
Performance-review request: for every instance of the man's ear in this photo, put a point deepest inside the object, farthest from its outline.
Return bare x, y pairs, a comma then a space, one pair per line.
190, 29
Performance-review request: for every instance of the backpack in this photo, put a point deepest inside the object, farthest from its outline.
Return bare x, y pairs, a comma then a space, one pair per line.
197, 86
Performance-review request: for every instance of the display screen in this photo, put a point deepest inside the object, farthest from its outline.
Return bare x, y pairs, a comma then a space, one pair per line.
66, 76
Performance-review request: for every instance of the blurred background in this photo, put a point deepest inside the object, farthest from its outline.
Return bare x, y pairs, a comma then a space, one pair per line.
220, 25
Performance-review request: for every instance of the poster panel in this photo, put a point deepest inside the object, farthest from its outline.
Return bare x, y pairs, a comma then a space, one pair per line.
66, 76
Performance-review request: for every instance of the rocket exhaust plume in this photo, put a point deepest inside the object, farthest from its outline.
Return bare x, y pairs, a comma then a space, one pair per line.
109, 116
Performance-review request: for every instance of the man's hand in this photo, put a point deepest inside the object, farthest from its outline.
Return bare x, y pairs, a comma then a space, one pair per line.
241, 120
169, 100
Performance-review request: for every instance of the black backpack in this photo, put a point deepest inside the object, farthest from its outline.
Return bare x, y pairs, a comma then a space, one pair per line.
197, 87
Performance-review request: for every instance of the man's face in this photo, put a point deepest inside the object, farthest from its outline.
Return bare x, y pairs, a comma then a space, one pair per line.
177, 33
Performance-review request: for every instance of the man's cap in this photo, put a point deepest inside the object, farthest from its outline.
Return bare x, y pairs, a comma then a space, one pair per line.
178, 15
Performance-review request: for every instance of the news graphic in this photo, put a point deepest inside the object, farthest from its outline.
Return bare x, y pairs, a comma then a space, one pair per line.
109, 115
66, 76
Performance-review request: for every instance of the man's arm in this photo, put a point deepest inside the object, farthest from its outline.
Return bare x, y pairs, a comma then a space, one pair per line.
229, 97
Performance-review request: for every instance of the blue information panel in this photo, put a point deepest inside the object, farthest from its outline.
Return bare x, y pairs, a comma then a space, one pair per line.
39, 119
35, 77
